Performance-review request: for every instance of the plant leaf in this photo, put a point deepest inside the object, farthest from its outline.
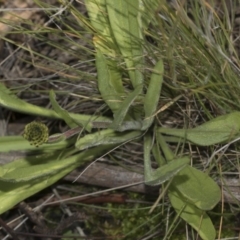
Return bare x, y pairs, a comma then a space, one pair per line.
122, 111
11, 101
125, 20
12, 193
153, 94
60, 111
107, 83
197, 187
164, 172
167, 171
195, 217
107, 136
18, 143
217, 130
109, 74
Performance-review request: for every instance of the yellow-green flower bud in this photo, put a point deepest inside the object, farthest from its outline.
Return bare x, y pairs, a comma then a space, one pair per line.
36, 133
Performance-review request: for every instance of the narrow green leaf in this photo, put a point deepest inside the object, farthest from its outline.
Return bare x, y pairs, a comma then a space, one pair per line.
167, 171
103, 39
105, 137
32, 167
148, 9
31, 159
28, 173
60, 111
97, 13
197, 187
1, 171
153, 94
127, 30
18, 143
109, 74
195, 217
158, 156
107, 83
122, 111
217, 130
12, 102
163, 173
12, 193
169, 155
136, 36
130, 125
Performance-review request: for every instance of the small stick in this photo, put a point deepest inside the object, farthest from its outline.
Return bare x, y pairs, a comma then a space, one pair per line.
8, 229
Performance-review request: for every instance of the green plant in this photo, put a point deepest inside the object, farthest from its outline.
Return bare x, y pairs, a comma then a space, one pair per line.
133, 99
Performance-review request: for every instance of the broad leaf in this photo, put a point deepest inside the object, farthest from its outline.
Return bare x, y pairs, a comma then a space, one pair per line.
197, 187
217, 130
195, 217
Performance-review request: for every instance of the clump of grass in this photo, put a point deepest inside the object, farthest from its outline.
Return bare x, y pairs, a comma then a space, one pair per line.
198, 44
199, 52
